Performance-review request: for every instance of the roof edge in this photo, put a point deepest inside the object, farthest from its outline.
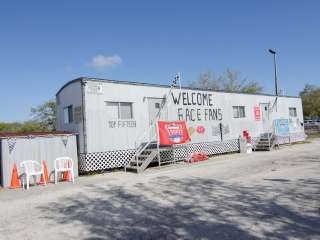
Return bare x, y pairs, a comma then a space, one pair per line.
162, 85
69, 83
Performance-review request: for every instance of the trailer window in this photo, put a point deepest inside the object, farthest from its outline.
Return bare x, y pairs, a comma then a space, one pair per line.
239, 112
292, 112
157, 105
112, 109
68, 114
125, 110
119, 110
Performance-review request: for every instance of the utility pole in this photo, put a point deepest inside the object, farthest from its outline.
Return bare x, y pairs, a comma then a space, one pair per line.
273, 52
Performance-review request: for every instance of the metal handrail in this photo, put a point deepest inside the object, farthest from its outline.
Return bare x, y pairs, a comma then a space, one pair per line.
138, 143
153, 122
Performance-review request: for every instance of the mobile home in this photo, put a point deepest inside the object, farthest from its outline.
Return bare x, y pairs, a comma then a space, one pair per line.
111, 117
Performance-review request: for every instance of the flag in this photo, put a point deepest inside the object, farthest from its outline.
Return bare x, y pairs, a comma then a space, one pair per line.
173, 132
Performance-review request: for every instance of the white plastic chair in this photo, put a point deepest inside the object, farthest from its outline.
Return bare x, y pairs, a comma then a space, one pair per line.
32, 168
63, 164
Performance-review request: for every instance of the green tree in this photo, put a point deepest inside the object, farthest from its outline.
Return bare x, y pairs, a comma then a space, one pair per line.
230, 81
310, 96
45, 115
28, 126
32, 126
43, 119
10, 127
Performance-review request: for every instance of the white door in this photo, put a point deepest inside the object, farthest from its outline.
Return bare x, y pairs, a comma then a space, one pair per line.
154, 105
265, 117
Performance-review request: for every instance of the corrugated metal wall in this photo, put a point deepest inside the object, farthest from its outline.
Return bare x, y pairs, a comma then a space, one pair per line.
48, 148
103, 136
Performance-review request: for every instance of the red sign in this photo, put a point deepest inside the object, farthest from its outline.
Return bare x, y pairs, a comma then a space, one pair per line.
173, 132
257, 113
201, 129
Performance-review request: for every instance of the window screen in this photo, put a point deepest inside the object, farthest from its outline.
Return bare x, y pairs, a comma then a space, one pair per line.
239, 112
119, 110
235, 112
68, 114
125, 110
242, 113
112, 109
65, 115
157, 105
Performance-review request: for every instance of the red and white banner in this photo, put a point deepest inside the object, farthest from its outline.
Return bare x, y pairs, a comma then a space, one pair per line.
173, 133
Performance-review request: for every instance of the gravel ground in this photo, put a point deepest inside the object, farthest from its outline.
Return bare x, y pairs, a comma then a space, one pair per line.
264, 195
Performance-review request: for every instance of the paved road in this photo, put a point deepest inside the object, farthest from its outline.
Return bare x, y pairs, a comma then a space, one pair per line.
265, 195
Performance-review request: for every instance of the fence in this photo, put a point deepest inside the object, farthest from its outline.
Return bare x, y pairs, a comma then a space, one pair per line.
15, 148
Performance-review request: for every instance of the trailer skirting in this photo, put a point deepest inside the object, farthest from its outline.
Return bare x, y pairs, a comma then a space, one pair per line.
116, 159
120, 158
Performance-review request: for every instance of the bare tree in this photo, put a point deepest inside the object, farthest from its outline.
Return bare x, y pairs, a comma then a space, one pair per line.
230, 81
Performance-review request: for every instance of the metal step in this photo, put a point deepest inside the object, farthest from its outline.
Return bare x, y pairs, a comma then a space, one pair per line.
134, 163
133, 168
262, 149
263, 140
143, 161
149, 145
263, 144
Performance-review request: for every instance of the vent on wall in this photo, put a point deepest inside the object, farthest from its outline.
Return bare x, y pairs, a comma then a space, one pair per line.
95, 88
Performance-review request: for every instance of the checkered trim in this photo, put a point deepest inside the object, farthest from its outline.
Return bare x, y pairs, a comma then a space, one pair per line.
115, 159
105, 160
182, 152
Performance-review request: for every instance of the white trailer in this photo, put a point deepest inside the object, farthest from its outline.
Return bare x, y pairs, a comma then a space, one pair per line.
111, 116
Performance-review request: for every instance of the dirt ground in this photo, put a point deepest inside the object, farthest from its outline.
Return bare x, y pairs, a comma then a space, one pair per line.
263, 195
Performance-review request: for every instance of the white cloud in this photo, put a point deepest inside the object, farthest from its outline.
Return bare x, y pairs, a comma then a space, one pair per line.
101, 62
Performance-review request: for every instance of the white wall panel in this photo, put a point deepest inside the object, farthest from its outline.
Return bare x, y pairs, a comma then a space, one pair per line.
71, 95
105, 133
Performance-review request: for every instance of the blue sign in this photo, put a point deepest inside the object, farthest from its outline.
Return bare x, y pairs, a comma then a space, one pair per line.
282, 127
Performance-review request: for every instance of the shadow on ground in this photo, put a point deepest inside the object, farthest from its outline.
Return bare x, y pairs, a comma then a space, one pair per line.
193, 208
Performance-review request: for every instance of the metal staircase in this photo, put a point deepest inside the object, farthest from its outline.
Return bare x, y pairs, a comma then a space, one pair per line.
142, 159
266, 142
146, 147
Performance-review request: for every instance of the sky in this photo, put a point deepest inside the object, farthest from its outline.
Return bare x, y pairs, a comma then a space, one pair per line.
44, 44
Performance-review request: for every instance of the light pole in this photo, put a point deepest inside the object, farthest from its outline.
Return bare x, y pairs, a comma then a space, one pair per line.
273, 52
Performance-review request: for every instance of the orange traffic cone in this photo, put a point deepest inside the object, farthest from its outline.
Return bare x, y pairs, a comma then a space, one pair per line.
46, 177
15, 181
66, 175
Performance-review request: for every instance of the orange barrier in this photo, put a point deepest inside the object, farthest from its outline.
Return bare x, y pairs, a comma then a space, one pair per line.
66, 175
46, 176
15, 181
198, 156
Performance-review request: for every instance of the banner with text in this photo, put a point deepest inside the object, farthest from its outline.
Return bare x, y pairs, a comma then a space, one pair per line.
257, 113
173, 132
